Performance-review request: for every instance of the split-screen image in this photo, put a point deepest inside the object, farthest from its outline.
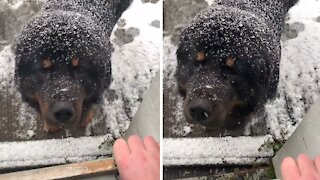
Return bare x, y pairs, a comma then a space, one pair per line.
152, 89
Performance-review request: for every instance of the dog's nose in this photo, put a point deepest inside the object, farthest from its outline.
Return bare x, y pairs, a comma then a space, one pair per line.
200, 110
63, 111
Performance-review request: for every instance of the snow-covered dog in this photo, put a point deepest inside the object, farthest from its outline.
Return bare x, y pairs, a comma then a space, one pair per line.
63, 59
228, 60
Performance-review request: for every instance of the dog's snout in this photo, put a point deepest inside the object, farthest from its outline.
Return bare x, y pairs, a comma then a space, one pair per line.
200, 110
63, 111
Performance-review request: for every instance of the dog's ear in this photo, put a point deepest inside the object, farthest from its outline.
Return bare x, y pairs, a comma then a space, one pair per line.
289, 3
120, 6
292, 3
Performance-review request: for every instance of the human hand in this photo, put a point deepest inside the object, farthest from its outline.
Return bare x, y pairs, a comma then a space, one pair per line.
302, 169
137, 159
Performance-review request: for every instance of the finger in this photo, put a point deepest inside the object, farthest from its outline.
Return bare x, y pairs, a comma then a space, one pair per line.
317, 163
306, 165
120, 145
289, 169
135, 143
151, 145
121, 152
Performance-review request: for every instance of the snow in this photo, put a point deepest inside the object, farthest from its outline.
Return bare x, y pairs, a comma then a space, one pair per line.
133, 67
210, 2
48, 152
298, 89
251, 32
227, 150
6, 69
299, 84
26, 118
299, 53
17, 4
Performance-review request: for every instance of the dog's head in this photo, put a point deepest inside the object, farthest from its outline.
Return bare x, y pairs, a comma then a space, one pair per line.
62, 66
227, 66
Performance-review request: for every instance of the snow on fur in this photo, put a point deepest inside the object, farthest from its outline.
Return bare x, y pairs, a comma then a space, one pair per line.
133, 67
299, 84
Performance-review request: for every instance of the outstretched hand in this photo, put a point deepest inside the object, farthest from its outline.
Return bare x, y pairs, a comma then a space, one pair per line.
302, 169
137, 158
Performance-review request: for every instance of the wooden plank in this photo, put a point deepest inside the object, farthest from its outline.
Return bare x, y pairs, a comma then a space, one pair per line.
214, 172
65, 171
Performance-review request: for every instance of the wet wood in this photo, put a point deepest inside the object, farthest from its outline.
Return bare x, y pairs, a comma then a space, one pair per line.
105, 166
217, 172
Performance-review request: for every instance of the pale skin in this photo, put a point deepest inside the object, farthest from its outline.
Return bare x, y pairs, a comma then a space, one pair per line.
137, 158
302, 169
140, 159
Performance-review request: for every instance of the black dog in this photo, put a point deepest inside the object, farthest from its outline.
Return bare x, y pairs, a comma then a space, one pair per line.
63, 59
228, 60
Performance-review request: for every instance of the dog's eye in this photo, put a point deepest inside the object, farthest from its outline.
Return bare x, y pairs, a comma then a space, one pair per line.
230, 62
47, 63
201, 56
75, 62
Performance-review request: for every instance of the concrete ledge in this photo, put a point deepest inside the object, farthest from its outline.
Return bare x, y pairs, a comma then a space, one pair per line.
210, 151
48, 152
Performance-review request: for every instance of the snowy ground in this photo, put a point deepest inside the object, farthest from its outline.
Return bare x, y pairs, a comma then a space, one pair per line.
298, 89
134, 64
135, 61
299, 85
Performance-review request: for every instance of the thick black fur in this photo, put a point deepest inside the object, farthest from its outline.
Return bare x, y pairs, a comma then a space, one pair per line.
61, 31
248, 31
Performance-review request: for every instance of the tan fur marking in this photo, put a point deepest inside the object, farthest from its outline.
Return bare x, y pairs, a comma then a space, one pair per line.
47, 63
201, 56
75, 62
230, 62
49, 128
44, 108
88, 118
230, 106
234, 102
